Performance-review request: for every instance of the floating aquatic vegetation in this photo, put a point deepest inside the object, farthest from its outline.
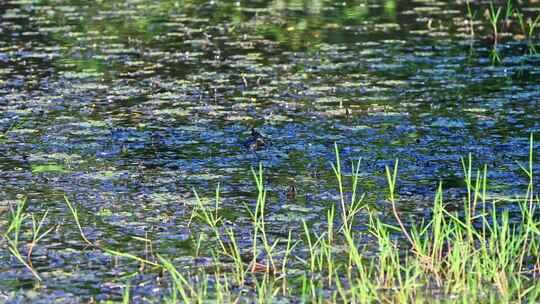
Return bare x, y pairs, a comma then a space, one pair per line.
127, 106
53, 168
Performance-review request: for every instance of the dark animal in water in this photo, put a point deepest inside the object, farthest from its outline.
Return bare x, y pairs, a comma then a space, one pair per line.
291, 192
256, 142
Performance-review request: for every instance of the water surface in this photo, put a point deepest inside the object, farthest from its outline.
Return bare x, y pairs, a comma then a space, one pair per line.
127, 106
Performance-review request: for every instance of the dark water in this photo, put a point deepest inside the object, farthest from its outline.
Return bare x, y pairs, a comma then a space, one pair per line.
126, 106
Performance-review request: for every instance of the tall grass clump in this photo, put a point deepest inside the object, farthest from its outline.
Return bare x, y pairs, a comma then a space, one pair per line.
469, 250
528, 28
493, 16
13, 235
471, 15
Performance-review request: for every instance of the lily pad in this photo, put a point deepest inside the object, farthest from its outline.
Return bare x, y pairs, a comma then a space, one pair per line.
49, 168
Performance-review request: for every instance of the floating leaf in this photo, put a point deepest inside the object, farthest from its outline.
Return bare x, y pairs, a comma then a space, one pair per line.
49, 168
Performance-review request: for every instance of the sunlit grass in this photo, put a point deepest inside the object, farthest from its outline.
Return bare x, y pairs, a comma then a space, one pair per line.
473, 255
478, 253
503, 20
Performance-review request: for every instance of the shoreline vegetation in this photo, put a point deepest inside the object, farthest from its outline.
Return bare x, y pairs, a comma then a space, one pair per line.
479, 254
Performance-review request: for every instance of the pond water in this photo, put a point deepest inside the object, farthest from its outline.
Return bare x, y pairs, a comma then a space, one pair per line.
127, 106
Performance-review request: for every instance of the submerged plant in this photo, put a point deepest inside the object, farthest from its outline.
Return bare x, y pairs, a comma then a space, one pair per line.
471, 15
14, 126
494, 56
